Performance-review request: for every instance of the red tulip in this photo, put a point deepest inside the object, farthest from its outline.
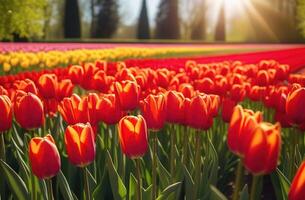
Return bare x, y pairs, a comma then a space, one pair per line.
133, 136
28, 110
44, 157
263, 149
26, 85
295, 105
127, 93
47, 85
68, 108
80, 144
175, 107
238, 92
65, 89
109, 110
297, 188
6, 114
153, 108
227, 109
76, 74
241, 127
198, 114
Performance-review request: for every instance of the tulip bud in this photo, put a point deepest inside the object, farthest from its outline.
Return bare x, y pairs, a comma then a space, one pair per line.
44, 157
80, 144
127, 93
175, 107
295, 105
133, 136
153, 108
47, 85
263, 148
28, 110
242, 125
109, 110
5, 113
297, 188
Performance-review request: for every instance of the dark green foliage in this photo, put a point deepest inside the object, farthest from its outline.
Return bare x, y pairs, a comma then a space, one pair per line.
107, 19
72, 27
143, 23
168, 20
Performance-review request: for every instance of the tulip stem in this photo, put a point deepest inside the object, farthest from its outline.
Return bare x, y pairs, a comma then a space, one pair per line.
238, 179
172, 156
154, 166
197, 162
139, 190
2, 146
86, 184
49, 189
255, 180
185, 143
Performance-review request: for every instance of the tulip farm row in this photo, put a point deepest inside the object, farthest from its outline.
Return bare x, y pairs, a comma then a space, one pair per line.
154, 129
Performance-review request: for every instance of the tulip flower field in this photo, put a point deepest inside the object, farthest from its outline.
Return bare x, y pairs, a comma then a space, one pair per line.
75, 124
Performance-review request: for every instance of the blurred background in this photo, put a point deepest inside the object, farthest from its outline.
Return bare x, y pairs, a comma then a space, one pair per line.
256, 21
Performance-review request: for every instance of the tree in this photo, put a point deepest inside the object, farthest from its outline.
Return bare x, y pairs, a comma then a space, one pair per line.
167, 26
220, 32
143, 24
72, 27
107, 19
300, 17
21, 19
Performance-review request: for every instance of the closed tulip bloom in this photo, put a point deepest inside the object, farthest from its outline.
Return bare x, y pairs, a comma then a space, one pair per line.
198, 113
47, 85
44, 157
153, 108
127, 93
26, 85
187, 90
109, 110
76, 74
133, 136
80, 144
262, 78
263, 148
175, 107
242, 125
68, 108
295, 105
6, 113
28, 110
297, 188
227, 109
238, 92
65, 89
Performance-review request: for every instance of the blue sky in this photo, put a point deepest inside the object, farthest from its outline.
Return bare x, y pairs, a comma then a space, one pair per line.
130, 10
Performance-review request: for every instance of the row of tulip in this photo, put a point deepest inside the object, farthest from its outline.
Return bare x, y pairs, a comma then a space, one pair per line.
16, 61
181, 112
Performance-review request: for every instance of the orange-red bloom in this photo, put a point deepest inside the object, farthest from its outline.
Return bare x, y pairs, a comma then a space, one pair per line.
297, 188
76, 74
127, 93
198, 114
80, 144
242, 125
65, 89
133, 136
5, 113
153, 108
227, 109
263, 149
68, 108
109, 110
295, 105
28, 110
44, 157
47, 85
175, 107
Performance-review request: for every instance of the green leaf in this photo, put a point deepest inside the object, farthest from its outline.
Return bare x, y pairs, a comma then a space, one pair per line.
169, 190
132, 186
147, 193
216, 194
280, 184
64, 186
164, 175
117, 185
244, 194
189, 183
17, 185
